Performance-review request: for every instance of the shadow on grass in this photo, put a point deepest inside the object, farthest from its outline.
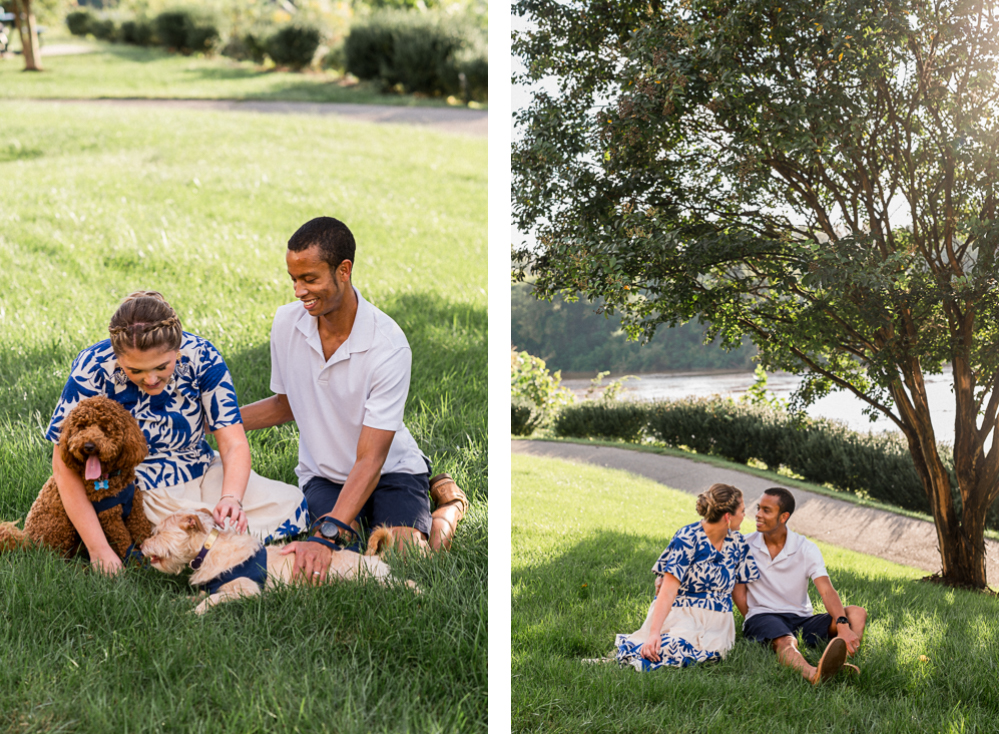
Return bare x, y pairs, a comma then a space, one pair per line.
570, 604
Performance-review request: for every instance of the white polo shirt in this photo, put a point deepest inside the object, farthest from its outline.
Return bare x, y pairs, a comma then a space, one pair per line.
783, 586
364, 383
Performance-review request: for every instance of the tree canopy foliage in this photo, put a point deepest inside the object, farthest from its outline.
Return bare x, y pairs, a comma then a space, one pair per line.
821, 177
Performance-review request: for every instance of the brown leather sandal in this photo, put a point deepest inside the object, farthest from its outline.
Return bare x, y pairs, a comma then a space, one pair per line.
444, 490
831, 662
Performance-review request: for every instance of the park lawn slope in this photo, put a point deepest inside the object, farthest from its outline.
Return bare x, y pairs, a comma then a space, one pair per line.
199, 205
122, 71
583, 542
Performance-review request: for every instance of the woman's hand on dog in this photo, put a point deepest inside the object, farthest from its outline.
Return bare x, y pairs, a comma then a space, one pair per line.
312, 561
230, 507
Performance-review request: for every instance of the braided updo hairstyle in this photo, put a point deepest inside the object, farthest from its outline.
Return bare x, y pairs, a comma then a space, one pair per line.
145, 321
717, 500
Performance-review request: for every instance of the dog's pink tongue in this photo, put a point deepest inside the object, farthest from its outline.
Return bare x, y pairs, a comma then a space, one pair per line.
93, 468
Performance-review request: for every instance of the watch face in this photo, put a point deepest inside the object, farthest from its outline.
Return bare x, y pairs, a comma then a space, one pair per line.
329, 530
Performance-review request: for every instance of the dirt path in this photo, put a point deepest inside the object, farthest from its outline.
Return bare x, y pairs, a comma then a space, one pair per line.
864, 529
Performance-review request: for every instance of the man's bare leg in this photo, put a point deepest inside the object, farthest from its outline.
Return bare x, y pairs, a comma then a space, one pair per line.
788, 654
408, 540
450, 505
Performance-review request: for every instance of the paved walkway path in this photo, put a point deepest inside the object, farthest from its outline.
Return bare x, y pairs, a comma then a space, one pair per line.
864, 529
452, 120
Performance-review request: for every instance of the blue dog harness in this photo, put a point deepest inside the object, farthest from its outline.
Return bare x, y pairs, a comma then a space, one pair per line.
253, 568
123, 498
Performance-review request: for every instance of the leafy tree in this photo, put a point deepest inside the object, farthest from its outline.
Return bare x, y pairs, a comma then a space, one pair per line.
820, 176
27, 29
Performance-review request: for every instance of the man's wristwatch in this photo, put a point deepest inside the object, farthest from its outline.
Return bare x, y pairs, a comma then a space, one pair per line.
327, 528
844, 620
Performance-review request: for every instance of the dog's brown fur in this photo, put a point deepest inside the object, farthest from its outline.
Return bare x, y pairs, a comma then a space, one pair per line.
177, 540
116, 440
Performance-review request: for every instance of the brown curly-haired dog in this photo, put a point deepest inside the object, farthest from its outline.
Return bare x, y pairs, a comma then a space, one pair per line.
101, 441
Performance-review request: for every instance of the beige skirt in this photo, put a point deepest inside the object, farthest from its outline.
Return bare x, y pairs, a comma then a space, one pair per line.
274, 509
688, 635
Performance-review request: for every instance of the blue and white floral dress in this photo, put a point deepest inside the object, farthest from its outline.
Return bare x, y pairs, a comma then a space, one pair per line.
700, 625
181, 471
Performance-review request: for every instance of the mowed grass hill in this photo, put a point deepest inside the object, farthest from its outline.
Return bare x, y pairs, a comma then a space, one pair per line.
583, 542
98, 201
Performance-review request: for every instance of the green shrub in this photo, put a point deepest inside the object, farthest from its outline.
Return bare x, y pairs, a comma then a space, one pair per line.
473, 63
249, 46
103, 28
187, 29
525, 417
294, 45
138, 31
78, 22
419, 52
531, 381
624, 421
335, 58
878, 465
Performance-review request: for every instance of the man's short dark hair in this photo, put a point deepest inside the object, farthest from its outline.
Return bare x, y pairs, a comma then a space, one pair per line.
331, 236
786, 502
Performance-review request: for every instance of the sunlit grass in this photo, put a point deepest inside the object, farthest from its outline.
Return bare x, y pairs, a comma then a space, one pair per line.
99, 202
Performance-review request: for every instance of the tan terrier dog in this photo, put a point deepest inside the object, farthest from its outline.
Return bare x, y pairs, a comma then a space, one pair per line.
228, 565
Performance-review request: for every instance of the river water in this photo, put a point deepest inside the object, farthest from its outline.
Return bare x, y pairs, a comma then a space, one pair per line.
841, 405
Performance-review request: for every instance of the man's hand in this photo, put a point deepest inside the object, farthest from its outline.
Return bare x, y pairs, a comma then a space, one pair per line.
312, 561
845, 633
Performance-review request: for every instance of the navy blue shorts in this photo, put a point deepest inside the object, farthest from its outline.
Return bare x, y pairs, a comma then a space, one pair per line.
766, 627
399, 500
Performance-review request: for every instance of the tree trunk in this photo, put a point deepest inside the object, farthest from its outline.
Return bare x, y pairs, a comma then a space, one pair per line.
960, 539
24, 19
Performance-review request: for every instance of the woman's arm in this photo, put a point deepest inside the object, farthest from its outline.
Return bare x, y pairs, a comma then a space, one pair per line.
81, 514
661, 608
234, 450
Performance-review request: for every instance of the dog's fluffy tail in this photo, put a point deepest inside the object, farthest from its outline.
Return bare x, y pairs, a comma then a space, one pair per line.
12, 537
379, 540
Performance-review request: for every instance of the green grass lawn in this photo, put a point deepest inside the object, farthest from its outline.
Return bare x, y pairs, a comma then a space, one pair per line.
97, 202
118, 70
583, 541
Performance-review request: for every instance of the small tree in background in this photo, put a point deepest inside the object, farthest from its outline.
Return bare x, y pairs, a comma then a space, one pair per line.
821, 177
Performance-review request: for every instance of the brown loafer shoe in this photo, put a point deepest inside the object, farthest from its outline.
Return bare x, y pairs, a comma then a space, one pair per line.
444, 490
831, 662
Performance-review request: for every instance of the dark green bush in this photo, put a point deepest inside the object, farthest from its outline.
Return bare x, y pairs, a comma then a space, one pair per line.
618, 420
419, 52
293, 45
250, 46
103, 28
335, 58
878, 465
187, 29
473, 62
525, 417
138, 32
78, 22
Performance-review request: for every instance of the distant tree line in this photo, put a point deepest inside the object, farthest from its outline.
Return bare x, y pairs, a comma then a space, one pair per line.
573, 337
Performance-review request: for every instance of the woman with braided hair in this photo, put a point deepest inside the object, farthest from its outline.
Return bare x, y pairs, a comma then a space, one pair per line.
177, 386
691, 617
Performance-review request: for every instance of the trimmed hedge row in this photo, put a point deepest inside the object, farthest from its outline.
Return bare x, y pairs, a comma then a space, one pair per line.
419, 52
820, 450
